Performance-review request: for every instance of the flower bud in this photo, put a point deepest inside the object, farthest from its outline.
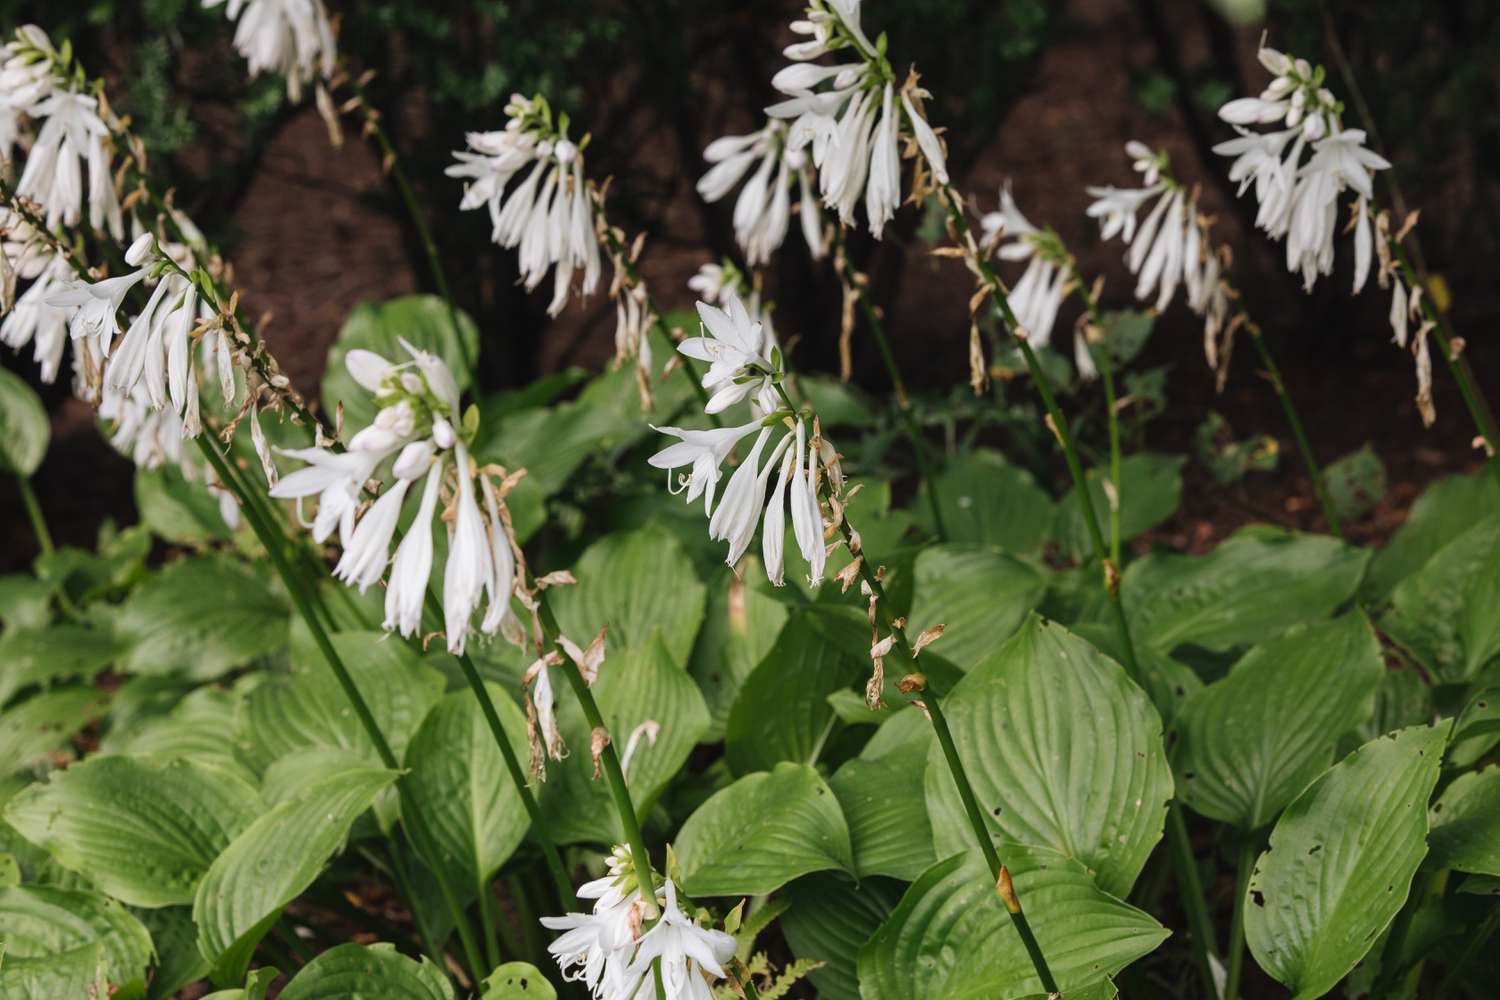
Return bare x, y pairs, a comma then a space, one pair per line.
442, 433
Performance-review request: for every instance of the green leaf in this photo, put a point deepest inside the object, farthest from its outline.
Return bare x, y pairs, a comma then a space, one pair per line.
142, 830
838, 404
950, 936
516, 981
1477, 729
782, 712
55, 941
25, 601
633, 582
41, 655
273, 861
1446, 510
1444, 613
175, 940
257, 984
1227, 459
463, 807
177, 510
886, 810
1466, 824
981, 596
829, 919
1250, 742
24, 427
741, 624
1150, 489
1341, 861
43, 724
1126, 333
1062, 750
424, 321
201, 616
761, 832
306, 707
1356, 483
1259, 582
203, 726
988, 501
350, 971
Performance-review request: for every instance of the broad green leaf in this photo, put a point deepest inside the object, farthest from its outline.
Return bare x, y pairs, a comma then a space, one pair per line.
175, 941
633, 582
1356, 483
516, 981
461, 805
646, 699
201, 616
257, 985
1254, 585
56, 940
41, 655
828, 921
1477, 729
886, 810
838, 404
273, 861
307, 707
761, 832
203, 726
118, 565
1250, 742
981, 595
741, 624
1166, 681
43, 724
1062, 750
950, 936
1149, 490
351, 971
1341, 861
424, 321
1446, 510
1444, 613
1126, 333
1466, 824
178, 510
24, 427
25, 601
988, 501
140, 829
782, 712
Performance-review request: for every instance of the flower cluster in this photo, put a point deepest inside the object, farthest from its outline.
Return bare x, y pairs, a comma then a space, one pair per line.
724, 282
549, 213
1170, 248
744, 364
290, 37
850, 115
417, 429
763, 210
1039, 293
1297, 199
609, 952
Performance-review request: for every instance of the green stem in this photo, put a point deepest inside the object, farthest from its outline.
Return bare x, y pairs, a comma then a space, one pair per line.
1320, 484
1237, 924
34, 512
919, 444
487, 924
1107, 369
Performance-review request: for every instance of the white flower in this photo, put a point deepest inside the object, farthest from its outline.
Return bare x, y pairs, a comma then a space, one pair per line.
95, 306
290, 37
368, 551
807, 518
407, 590
773, 525
469, 569
597, 947
743, 360
35, 320
72, 138
739, 512
691, 956
1038, 295
705, 451
763, 209
883, 192
26, 77
927, 140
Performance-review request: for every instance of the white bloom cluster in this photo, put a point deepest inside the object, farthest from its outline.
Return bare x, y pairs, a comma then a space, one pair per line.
1038, 295
847, 115
1170, 248
290, 37
762, 212
418, 429
607, 950
719, 284
549, 214
744, 364
1298, 200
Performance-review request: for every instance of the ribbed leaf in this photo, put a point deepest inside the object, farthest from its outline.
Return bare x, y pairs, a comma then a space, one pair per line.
761, 832
24, 427
1149, 491
1341, 861
204, 727
56, 940
176, 509
830, 919
1466, 824
1254, 585
886, 810
1444, 511
1250, 742
987, 500
1062, 749
980, 594
1445, 612
271, 862
142, 830
350, 971
175, 939
741, 624
43, 724
950, 936
42, 655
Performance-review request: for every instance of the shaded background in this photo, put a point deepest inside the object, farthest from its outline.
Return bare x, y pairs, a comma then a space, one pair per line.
1042, 94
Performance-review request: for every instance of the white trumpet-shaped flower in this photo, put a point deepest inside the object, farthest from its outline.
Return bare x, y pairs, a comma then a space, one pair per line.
1038, 294
71, 144
290, 37
762, 211
691, 956
701, 450
743, 361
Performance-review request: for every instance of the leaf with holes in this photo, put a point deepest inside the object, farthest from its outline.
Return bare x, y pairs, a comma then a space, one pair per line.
1341, 861
761, 832
1466, 824
1063, 750
1250, 742
354, 970
981, 595
516, 981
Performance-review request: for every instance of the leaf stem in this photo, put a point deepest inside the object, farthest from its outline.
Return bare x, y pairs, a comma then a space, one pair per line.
34, 512
1309, 458
1236, 951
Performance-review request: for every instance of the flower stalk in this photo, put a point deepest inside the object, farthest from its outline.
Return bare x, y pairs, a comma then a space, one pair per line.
34, 513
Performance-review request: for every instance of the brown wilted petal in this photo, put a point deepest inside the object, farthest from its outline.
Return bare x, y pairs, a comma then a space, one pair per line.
927, 638
598, 740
